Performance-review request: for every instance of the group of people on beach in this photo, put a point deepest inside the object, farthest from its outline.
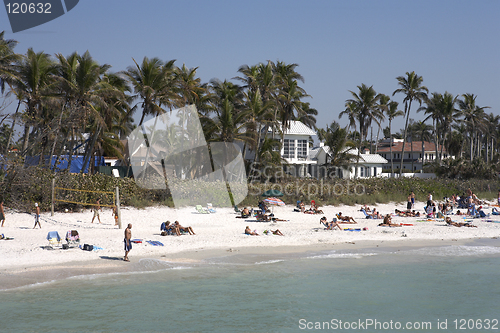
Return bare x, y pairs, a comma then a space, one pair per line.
314, 209
176, 229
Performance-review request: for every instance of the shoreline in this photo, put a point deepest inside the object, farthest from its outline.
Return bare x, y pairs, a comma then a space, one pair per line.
26, 259
19, 277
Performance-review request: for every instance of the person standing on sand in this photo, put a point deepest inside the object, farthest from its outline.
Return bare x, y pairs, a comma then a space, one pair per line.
37, 216
412, 195
2, 214
128, 243
97, 208
115, 214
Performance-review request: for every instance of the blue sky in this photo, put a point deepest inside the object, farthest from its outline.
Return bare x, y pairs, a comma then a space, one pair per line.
338, 45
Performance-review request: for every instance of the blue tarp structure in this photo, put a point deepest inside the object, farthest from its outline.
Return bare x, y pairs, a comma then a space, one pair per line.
62, 163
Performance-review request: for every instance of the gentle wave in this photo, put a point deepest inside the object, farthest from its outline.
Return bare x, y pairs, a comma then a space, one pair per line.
269, 262
454, 251
335, 255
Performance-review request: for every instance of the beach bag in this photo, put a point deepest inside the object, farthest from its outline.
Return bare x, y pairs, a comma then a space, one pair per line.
87, 247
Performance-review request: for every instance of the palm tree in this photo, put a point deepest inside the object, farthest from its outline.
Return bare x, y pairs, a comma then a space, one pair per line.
423, 132
95, 98
153, 84
392, 112
308, 116
384, 106
448, 112
260, 116
188, 86
340, 154
473, 117
34, 83
7, 60
492, 122
366, 108
411, 86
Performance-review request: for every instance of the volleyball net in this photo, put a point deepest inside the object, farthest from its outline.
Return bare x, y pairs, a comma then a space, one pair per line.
84, 197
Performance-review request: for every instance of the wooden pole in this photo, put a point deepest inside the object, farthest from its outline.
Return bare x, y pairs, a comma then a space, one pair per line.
53, 197
118, 207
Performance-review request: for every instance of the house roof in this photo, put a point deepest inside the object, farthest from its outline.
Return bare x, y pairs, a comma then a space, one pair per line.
364, 158
370, 158
397, 147
296, 128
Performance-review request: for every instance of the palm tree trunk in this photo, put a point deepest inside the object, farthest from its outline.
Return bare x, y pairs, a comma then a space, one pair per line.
90, 149
390, 147
411, 152
24, 150
55, 137
471, 145
70, 155
12, 128
407, 112
376, 143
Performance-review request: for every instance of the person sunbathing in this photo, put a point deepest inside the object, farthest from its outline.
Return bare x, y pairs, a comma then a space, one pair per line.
169, 229
345, 219
245, 212
366, 209
275, 232
458, 224
329, 225
302, 207
184, 229
375, 214
263, 217
250, 232
388, 222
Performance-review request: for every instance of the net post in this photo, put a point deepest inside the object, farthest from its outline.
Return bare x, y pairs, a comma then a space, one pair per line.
118, 207
53, 197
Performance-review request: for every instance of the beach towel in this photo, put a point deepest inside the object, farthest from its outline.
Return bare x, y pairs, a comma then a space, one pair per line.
154, 243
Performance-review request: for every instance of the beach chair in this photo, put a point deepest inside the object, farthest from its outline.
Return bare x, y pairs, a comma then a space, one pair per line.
201, 210
54, 238
73, 238
210, 208
368, 216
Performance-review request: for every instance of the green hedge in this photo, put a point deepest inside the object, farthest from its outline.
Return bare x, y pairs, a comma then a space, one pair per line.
21, 187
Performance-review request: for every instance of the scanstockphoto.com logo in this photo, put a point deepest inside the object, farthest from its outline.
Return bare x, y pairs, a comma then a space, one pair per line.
170, 151
28, 14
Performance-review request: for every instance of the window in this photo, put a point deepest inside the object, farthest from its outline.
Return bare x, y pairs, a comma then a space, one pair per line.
302, 148
361, 171
289, 148
374, 172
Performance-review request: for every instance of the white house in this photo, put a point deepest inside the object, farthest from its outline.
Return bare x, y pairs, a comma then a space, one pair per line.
305, 161
369, 165
414, 158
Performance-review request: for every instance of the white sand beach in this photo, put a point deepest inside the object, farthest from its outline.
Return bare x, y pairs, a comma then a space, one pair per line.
221, 232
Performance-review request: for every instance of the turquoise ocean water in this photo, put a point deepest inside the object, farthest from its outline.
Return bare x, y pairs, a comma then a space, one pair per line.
431, 289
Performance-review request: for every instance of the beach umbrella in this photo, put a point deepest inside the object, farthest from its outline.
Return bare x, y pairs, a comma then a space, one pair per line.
274, 201
272, 193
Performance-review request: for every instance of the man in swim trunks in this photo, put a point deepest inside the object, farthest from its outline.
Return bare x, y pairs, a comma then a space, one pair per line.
128, 243
2, 214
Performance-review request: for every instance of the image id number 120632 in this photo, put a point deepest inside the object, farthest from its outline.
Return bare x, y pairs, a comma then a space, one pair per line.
32, 8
